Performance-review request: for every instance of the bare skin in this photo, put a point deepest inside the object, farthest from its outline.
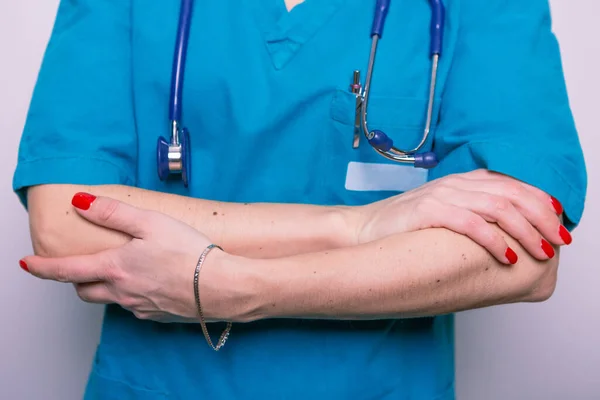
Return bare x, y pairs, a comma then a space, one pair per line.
395, 274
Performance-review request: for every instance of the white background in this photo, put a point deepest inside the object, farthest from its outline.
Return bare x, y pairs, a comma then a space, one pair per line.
548, 351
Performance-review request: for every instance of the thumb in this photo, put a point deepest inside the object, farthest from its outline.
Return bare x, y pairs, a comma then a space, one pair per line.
75, 269
111, 213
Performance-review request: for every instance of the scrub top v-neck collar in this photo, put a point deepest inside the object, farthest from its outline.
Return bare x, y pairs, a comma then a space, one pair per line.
283, 31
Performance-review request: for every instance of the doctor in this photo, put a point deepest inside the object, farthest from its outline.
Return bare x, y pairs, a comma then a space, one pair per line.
340, 269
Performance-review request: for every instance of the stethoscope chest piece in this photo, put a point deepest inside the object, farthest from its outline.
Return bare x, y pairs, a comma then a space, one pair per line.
174, 158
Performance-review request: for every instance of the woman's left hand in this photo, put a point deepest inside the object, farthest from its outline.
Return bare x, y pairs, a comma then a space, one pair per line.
151, 276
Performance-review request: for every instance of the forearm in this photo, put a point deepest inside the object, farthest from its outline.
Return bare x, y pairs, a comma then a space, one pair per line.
415, 274
252, 230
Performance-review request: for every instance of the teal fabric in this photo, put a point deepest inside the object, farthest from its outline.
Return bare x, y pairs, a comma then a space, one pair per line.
271, 120
506, 109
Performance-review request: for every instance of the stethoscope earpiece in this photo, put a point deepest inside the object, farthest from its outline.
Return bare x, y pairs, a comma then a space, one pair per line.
380, 140
425, 160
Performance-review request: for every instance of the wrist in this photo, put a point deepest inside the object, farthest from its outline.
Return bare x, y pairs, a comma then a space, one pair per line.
348, 224
230, 288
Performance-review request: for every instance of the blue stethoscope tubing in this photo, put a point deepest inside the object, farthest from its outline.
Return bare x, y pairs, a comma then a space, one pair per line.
381, 142
174, 158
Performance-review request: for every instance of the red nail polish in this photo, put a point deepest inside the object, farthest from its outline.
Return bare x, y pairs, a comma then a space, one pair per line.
565, 235
83, 201
23, 265
511, 256
548, 249
556, 204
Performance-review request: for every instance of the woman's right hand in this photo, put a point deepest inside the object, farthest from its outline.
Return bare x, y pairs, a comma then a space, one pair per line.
466, 204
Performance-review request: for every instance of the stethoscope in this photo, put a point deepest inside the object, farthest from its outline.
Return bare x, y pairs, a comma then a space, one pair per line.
381, 142
173, 157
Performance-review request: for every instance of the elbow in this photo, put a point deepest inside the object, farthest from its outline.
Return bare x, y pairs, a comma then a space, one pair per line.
45, 238
57, 231
49, 226
542, 285
543, 291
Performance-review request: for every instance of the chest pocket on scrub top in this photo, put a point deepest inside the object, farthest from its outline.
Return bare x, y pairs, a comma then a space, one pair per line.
403, 120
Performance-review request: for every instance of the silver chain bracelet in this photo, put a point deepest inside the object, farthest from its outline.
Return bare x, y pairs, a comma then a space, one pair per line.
225, 333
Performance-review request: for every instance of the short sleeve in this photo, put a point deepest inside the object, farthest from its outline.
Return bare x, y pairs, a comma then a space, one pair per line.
80, 125
505, 106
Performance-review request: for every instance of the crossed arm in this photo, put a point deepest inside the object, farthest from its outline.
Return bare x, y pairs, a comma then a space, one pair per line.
304, 261
417, 274
308, 260
252, 230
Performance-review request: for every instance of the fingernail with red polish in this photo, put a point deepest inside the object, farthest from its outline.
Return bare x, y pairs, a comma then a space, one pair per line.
511, 256
83, 201
556, 204
565, 235
548, 249
23, 265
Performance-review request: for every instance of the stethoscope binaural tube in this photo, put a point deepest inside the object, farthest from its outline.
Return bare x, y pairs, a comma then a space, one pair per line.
381, 142
173, 156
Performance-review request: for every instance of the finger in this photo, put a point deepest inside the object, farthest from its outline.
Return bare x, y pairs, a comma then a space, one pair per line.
94, 292
466, 222
553, 203
538, 213
75, 269
547, 200
501, 211
112, 214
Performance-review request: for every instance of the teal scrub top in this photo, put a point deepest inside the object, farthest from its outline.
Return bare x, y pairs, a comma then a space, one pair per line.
267, 103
